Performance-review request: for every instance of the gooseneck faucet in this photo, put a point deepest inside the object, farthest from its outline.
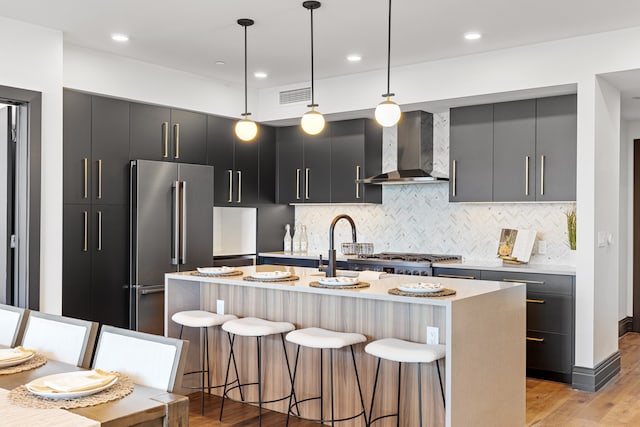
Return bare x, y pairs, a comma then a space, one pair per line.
331, 268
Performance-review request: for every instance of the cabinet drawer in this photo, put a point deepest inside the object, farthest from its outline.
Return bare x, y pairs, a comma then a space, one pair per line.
457, 273
552, 283
549, 351
549, 312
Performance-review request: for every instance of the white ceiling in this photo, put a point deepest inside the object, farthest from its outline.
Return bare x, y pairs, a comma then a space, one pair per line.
192, 35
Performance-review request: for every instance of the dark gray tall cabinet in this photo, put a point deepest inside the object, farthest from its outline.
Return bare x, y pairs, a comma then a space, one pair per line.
95, 224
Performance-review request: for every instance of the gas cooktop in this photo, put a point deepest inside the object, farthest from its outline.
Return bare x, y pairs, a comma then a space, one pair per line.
400, 262
411, 257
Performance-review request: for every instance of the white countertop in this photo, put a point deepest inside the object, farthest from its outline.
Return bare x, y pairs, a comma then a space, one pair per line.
378, 289
495, 265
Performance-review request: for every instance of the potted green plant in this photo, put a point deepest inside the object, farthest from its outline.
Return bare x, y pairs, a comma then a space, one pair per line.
571, 232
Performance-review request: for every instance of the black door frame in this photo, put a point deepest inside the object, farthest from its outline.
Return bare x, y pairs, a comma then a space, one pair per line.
33, 101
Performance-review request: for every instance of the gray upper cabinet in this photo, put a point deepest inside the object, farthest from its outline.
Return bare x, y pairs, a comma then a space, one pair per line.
290, 164
514, 151
77, 147
189, 137
220, 155
471, 154
556, 148
514, 145
316, 182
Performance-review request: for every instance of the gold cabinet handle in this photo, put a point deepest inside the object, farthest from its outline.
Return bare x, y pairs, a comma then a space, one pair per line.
306, 183
239, 186
526, 175
99, 230
85, 234
535, 339
85, 185
535, 301
176, 129
454, 173
455, 276
165, 140
357, 183
230, 172
531, 282
542, 175
100, 179
297, 184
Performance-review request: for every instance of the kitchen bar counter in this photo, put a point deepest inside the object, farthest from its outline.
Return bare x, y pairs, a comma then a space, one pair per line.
482, 327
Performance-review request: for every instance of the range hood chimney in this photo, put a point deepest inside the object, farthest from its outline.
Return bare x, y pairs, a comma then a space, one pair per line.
415, 153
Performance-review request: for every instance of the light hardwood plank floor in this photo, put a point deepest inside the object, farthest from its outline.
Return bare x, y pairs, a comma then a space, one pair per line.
548, 403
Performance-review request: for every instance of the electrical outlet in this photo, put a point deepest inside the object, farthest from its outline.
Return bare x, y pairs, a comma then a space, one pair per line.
220, 307
542, 247
433, 335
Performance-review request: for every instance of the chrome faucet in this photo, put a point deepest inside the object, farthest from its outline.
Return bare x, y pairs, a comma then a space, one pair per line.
330, 269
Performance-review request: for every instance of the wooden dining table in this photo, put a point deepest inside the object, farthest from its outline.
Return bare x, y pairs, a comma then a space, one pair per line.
146, 406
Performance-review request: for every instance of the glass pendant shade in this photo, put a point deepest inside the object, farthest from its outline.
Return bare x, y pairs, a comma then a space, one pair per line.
312, 122
246, 130
388, 113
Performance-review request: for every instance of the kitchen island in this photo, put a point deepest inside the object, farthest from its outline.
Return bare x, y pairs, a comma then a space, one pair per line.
482, 327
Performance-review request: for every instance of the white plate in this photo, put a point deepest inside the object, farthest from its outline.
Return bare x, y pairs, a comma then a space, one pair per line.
339, 281
216, 270
6, 364
422, 287
65, 395
271, 274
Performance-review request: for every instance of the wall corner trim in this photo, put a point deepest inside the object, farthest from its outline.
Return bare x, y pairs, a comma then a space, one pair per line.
625, 325
593, 379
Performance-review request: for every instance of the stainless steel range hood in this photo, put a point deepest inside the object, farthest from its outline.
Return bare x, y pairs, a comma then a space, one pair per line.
415, 153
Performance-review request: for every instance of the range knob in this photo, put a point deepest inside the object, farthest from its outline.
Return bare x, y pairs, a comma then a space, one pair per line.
424, 273
416, 273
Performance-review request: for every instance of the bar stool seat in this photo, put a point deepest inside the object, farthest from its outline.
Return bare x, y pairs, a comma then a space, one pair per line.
202, 319
402, 351
255, 328
322, 339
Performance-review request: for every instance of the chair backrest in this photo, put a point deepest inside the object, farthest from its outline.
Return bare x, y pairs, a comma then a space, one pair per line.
12, 320
149, 360
61, 338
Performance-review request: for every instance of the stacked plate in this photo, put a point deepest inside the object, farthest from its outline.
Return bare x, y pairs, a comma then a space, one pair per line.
14, 356
271, 275
339, 281
216, 271
70, 385
422, 287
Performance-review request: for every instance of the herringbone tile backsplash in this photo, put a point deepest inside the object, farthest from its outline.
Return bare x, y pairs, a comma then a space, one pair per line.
419, 218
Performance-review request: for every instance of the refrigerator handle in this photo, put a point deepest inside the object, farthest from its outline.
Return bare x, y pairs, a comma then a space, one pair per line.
183, 223
175, 233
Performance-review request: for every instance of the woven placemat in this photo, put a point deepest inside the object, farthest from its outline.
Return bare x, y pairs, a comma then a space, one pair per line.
283, 279
443, 293
35, 362
22, 397
359, 285
233, 273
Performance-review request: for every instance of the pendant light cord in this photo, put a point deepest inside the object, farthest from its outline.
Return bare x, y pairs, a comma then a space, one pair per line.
246, 113
388, 94
313, 103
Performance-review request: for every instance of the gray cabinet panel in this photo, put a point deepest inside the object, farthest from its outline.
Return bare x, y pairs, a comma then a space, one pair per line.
150, 132
189, 137
556, 136
456, 273
76, 261
290, 164
471, 154
372, 160
317, 167
220, 139
267, 164
547, 283
246, 172
514, 140
77, 147
347, 160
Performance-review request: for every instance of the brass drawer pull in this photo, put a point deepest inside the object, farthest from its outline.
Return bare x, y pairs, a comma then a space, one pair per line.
454, 276
531, 282
535, 339
535, 301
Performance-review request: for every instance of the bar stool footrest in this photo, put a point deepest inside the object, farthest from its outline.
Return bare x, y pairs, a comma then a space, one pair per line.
226, 395
318, 420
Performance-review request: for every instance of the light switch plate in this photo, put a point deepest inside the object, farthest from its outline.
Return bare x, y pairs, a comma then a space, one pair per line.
220, 307
433, 335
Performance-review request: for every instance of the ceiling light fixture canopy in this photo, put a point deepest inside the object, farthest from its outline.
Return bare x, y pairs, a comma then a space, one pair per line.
246, 129
312, 122
388, 112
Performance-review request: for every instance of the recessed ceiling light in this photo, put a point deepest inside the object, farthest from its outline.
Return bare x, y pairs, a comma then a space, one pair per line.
354, 58
119, 37
473, 35
260, 75
219, 62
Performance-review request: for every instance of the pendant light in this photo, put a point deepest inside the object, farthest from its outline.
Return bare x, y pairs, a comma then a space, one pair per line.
312, 122
246, 129
388, 112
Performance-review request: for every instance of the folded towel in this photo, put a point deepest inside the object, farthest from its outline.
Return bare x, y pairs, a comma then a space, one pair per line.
14, 354
368, 275
76, 381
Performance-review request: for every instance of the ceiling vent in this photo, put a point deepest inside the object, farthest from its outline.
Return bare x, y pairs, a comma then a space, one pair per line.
294, 96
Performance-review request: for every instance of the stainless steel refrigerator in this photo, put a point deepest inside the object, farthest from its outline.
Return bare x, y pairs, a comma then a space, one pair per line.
171, 230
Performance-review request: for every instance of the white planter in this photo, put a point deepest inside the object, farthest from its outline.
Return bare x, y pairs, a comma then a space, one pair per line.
572, 257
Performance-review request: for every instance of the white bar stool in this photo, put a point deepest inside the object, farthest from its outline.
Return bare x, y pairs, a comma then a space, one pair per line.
202, 319
330, 340
402, 351
258, 328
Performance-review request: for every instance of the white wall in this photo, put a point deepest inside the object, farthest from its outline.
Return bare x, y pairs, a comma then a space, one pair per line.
630, 130
34, 61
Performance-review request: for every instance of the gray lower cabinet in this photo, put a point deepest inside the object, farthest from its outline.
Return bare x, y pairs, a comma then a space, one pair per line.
471, 154
456, 273
550, 322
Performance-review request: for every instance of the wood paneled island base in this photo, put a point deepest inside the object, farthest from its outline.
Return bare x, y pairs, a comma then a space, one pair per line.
482, 326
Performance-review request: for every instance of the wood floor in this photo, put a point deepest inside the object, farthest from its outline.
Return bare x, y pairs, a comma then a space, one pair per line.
548, 403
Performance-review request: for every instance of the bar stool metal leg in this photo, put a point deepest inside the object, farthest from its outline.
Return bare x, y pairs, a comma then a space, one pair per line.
420, 391
441, 387
373, 394
399, 389
355, 369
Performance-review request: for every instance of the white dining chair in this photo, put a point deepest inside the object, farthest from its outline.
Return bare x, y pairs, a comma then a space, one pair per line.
149, 360
12, 320
60, 338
